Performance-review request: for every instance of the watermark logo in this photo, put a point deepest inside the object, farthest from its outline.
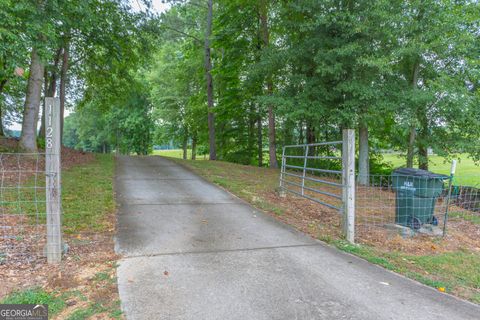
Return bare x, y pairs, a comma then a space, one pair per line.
23, 312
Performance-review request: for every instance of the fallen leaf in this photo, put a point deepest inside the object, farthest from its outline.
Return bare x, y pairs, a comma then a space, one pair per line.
441, 289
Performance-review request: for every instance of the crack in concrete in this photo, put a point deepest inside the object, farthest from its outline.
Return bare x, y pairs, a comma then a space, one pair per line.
221, 251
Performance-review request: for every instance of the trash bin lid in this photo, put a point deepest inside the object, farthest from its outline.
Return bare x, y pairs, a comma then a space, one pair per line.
418, 173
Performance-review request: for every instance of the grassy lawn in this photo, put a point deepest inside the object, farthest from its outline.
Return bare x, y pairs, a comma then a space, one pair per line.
467, 173
87, 195
83, 285
453, 271
177, 153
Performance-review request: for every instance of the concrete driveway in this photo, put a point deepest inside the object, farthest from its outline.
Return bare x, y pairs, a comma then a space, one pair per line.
193, 251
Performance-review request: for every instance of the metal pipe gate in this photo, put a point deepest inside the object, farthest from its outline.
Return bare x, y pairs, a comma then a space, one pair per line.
345, 181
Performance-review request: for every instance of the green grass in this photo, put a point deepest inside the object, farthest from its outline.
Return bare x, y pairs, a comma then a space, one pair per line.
96, 308
87, 201
467, 173
37, 296
87, 195
456, 272
178, 153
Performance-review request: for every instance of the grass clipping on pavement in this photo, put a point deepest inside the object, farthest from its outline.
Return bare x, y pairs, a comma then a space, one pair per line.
435, 262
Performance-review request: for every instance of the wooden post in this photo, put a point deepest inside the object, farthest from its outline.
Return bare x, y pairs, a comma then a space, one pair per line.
348, 181
52, 168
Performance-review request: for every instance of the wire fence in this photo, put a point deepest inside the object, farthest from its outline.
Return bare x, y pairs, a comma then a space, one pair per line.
413, 206
407, 203
22, 206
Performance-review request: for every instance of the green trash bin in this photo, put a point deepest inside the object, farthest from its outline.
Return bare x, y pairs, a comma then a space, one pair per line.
416, 193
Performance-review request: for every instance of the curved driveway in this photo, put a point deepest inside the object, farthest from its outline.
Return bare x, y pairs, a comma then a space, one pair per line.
193, 251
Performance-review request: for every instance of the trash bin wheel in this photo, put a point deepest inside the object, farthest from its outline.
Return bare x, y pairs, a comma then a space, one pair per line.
414, 223
434, 221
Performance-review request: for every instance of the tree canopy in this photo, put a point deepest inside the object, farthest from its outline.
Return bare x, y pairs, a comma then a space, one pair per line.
240, 78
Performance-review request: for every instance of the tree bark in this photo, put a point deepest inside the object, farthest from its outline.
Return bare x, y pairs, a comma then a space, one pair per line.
423, 157
363, 155
208, 73
2, 86
251, 132
310, 133
28, 139
412, 136
260, 140
300, 133
194, 146
310, 138
272, 150
185, 146
423, 140
411, 146
50, 88
63, 85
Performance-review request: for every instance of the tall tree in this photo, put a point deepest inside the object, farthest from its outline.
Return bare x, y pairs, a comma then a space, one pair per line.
208, 74
28, 139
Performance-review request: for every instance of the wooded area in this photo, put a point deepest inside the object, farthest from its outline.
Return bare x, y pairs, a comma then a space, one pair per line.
233, 78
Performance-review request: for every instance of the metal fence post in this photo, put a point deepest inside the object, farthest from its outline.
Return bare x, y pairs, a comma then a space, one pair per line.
348, 181
52, 170
282, 175
304, 169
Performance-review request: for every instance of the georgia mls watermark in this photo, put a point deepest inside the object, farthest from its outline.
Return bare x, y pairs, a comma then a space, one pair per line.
23, 312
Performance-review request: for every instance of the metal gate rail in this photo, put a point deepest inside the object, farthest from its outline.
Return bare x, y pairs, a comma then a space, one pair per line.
347, 174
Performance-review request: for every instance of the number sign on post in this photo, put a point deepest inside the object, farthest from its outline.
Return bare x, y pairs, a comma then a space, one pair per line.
52, 168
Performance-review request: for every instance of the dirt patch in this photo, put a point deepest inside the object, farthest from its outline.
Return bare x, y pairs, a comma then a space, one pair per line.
87, 273
77, 273
373, 213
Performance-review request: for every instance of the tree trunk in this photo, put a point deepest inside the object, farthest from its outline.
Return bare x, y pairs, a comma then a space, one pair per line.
251, 132
208, 73
260, 140
63, 85
185, 146
413, 135
28, 139
41, 132
272, 150
2, 86
363, 155
422, 157
300, 133
50, 89
411, 146
423, 140
194, 146
310, 133
311, 138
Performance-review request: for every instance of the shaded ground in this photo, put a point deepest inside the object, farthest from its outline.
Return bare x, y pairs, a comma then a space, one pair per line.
449, 264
